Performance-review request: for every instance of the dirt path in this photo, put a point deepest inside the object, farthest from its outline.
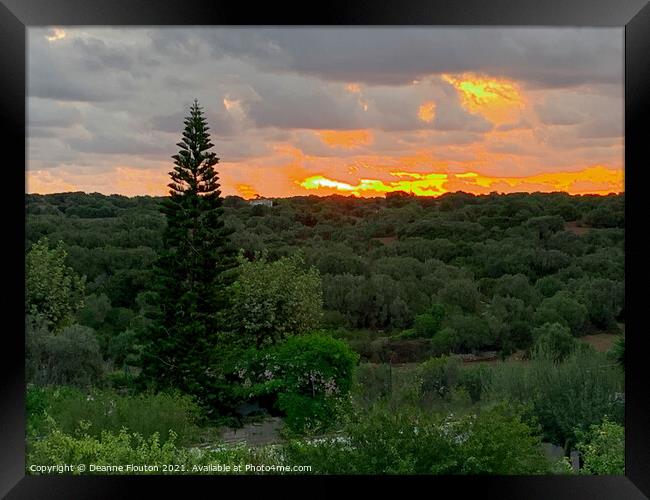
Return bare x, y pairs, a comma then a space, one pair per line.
255, 434
602, 342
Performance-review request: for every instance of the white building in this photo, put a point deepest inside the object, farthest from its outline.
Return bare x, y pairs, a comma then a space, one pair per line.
261, 201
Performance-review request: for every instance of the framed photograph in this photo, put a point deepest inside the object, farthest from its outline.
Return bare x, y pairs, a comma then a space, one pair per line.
386, 243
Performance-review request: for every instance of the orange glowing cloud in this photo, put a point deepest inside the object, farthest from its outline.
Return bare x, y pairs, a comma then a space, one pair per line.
246, 190
498, 99
592, 180
45, 182
345, 138
427, 111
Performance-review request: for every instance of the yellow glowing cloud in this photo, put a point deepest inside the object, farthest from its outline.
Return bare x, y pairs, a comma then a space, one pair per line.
57, 34
498, 99
345, 138
423, 185
318, 181
427, 111
592, 180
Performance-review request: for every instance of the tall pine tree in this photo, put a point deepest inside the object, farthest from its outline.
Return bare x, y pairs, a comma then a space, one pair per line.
192, 272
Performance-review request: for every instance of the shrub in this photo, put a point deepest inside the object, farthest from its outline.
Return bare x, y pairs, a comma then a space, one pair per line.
444, 342
311, 366
105, 410
273, 300
554, 340
108, 449
126, 448
475, 380
427, 325
564, 397
52, 288
412, 441
564, 309
372, 382
603, 449
438, 376
71, 357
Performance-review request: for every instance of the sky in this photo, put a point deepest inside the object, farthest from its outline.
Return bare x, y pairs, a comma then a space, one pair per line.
350, 110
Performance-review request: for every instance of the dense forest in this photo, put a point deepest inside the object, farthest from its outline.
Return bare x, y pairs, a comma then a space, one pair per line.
351, 319
483, 271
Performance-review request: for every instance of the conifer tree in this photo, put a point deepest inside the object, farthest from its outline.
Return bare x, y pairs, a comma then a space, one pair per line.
192, 271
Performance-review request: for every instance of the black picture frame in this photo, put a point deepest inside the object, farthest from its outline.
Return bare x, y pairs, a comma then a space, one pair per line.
17, 15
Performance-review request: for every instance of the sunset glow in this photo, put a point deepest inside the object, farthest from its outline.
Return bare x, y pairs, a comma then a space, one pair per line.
594, 180
427, 112
345, 138
318, 111
495, 98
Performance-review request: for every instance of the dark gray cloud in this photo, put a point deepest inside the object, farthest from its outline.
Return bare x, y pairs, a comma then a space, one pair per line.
542, 57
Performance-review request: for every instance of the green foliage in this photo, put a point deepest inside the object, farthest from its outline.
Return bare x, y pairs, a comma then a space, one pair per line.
618, 351
127, 449
411, 441
372, 382
604, 299
471, 332
438, 376
53, 289
475, 380
314, 366
563, 397
109, 449
562, 308
444, 342
498, 244
71, 356
554, 341
427, 325
603, 449
105, 410
274, 300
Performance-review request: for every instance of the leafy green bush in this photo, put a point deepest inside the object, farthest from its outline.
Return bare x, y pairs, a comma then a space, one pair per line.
411, 441
603, 448
51, 287
372, 382
71, 356
564, 309
125, 448
312, 366
474, 379
554, 340
444, 342
565, 397
428, 324
105, 410
273, 300
438, 376
108, 449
